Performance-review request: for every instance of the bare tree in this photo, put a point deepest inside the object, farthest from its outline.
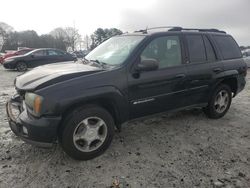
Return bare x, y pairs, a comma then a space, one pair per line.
58, 33
5, 29
60, 36
69, 36
86, 42
73, 38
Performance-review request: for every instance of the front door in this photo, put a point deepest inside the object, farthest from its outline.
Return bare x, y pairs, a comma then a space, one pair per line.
162, 89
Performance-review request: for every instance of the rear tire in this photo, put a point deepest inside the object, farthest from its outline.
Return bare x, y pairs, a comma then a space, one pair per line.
219, 102
87, 132
21, 67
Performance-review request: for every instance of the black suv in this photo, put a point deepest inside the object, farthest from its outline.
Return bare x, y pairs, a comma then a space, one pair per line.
126, 77
36, 58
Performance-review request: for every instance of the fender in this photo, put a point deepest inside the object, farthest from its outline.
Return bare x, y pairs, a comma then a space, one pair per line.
103, 94
219, 78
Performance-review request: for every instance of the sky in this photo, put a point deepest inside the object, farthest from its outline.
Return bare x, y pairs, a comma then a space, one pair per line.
233, 16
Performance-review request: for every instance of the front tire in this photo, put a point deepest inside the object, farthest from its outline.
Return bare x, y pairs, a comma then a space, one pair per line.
220, 102
87, 132
21, 67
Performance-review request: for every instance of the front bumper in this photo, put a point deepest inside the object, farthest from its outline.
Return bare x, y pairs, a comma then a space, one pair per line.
37, 131
9, 65
241, 83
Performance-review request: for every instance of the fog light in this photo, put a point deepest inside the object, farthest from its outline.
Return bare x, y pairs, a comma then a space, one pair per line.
25, 130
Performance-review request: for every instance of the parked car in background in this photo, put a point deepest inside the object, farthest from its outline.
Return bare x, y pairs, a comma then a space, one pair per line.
15, 53
36, 58
246, 56
2, 54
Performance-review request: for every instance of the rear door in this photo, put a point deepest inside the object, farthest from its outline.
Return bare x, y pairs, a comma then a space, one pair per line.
54, 56
37, 58
202, 64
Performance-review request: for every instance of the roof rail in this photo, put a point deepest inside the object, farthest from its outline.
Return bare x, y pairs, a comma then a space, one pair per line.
145, 31
195, 29
177, 28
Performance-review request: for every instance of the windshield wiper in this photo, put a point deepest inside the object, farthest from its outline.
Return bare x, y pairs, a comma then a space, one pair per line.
102, 64
84, 60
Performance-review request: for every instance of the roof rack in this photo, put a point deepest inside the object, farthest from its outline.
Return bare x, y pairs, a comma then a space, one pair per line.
176, 28
145, 31
195, 29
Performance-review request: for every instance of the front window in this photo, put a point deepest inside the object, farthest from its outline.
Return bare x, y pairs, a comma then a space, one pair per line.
115, 50
166, 50
39, 53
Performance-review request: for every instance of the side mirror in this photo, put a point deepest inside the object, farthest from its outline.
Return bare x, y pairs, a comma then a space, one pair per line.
147, 65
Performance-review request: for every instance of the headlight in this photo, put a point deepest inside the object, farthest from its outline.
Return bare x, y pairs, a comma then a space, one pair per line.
34, 102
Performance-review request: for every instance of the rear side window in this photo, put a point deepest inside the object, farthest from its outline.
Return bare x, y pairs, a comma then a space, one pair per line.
228, 47
209, 49
196, 48
52, 52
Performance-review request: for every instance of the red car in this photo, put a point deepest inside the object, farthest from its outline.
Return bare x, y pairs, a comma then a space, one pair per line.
16, 53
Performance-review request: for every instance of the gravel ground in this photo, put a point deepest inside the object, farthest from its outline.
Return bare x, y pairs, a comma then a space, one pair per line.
183, 149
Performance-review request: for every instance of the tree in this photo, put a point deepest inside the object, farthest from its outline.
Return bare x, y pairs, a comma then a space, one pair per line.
67, 37
27, 38
86, 42
101, 35
59, 36
47, 41
5, 29
72, 37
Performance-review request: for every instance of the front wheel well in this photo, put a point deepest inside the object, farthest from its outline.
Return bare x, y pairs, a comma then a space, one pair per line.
104, 103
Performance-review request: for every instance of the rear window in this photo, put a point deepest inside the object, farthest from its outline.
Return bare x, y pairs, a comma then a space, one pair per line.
196, 48
228, 47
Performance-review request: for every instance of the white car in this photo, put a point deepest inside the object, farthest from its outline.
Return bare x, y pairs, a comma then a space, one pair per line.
246, 56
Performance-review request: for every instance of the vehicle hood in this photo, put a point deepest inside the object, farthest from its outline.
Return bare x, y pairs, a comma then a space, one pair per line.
14, 57
46, 75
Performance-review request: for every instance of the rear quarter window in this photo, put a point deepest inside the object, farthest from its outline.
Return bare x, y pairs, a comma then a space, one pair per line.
228, 47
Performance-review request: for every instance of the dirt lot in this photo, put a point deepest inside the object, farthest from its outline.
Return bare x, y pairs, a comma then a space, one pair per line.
183, 149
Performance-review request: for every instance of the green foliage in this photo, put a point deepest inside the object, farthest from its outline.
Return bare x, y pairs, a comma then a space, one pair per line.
101, 35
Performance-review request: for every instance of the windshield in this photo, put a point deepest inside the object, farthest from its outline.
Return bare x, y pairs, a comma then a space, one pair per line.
115, 50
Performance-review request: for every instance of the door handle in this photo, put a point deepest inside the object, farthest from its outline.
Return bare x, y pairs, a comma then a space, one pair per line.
217, 70
180, 76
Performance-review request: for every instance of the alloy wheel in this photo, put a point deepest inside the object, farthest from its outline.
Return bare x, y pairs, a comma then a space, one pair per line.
90, 134
221, 101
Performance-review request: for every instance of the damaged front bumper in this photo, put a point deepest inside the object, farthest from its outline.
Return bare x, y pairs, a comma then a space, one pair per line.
37, 131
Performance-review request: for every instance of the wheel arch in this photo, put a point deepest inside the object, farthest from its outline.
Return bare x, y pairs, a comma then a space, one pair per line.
113, 102
21, 61
230, 81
